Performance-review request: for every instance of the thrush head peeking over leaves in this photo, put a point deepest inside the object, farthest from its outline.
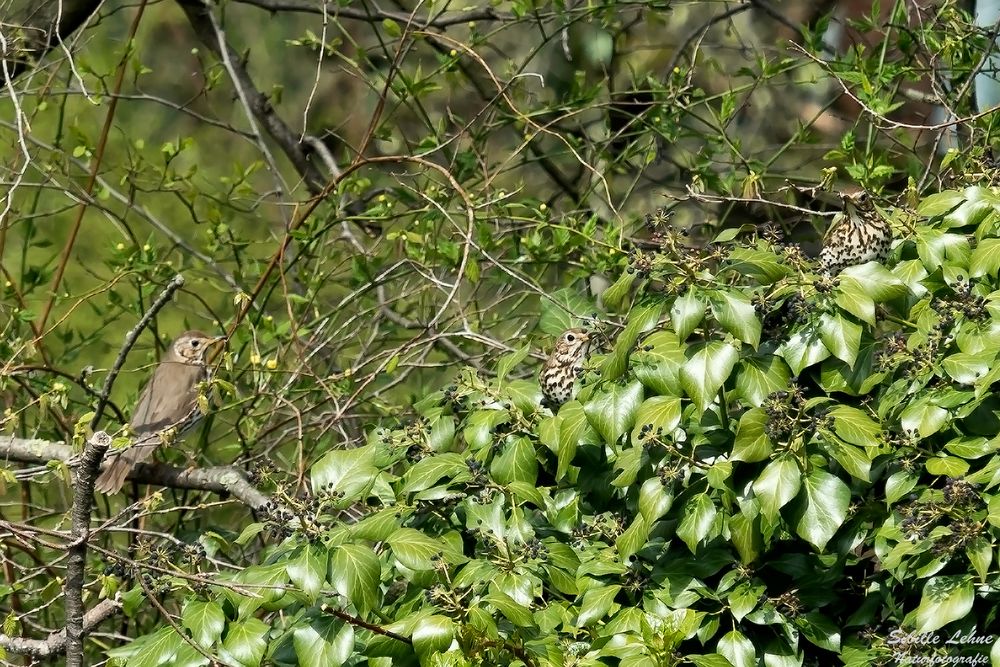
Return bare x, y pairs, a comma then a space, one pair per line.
168, 401
857, 235
560, 372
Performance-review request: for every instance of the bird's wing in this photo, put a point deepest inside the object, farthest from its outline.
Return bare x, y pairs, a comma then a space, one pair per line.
174, 386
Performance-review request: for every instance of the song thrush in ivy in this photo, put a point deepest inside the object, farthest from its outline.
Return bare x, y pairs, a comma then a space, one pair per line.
559, 374
169, 402
858, 234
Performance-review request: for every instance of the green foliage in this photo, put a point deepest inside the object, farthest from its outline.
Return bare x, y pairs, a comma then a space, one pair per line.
761, 466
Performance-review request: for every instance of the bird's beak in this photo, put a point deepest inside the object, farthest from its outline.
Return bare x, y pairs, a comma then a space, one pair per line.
217, 339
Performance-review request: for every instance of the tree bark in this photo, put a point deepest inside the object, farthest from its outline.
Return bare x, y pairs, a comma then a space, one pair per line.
31, 28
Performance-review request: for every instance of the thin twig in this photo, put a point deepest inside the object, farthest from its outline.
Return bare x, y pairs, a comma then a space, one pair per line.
55, 643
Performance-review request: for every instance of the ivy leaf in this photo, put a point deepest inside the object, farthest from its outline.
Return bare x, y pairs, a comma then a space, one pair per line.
923, 417
245, 642
803, 349
841, 336
350, 472
823, 508
658, 361
640, 320
777, 485
612, 411
509, 362
355, 573
737, 315
426, 472
433, 634
596, 604
752, 443
308, 570
737, 649
658, 414
696, 523
564, 309
944, 599
323, 641
414, 549
687, 313
985, 259
655, 499
205, 620
759, 376
516, 463
707, 368
855, 426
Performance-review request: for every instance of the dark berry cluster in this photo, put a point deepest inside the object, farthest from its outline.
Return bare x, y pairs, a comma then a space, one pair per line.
784, 411
533, 549
788, 604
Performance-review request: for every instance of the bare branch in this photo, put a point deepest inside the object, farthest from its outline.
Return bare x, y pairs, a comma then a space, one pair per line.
83, 496
55, 643
36, 28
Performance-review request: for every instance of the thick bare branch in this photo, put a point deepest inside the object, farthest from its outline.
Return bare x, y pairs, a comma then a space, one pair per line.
55, 643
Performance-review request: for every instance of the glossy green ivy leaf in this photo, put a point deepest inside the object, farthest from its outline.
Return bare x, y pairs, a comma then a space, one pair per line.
823, 509
245, 643
803, 349
759, 376
751, 443
687, 313
697, 521
323, 641
350, 472
205, 621
707, 368
612, 410
776, 485
841, 336
307, 570
944, 599
640, 320
355, 573
433, 634
736, 314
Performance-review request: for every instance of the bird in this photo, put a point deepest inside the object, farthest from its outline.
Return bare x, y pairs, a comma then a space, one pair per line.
858, 234
168, 401
560, 371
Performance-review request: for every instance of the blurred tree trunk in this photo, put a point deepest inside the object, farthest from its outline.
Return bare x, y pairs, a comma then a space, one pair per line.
30, 28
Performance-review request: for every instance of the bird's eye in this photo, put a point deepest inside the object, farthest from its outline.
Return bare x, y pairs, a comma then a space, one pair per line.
195, 343
570, 338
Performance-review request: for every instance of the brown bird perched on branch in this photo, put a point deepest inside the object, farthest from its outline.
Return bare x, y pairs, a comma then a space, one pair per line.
168, 401
858, 234
561, 370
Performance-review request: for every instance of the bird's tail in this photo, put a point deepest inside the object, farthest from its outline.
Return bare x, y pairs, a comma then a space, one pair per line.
113, 478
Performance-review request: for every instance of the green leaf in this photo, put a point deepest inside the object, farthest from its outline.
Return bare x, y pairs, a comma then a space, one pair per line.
939, 203
391, 28
572, 427
350, 472
245, 642
514, 612
433, 634
612, 411
852, 299
563, 309
596, 604
824, 507
852, 459
204, 620
944, 599
765, 266
697, 521
152, 650
947, 466
414, 549
658, 361
655, 499
640, 320
737, 315
737, 649
614, 297
658, 414
707, 368
898, 485
516, 463
803, 349
985, 259
687, 313
841, 336
776, 485
966, 368
509, 362
427, 472
322, 642
874, 280
751, 443
308, 570
856, 427
355, 573
923, 417
936, 247
633, 539
759, 376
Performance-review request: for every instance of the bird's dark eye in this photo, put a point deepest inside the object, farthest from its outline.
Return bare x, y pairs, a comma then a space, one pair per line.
195, 343
570, 338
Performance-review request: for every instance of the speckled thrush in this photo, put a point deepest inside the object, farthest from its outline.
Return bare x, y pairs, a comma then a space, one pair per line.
169, 401
559, 374
857, 235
